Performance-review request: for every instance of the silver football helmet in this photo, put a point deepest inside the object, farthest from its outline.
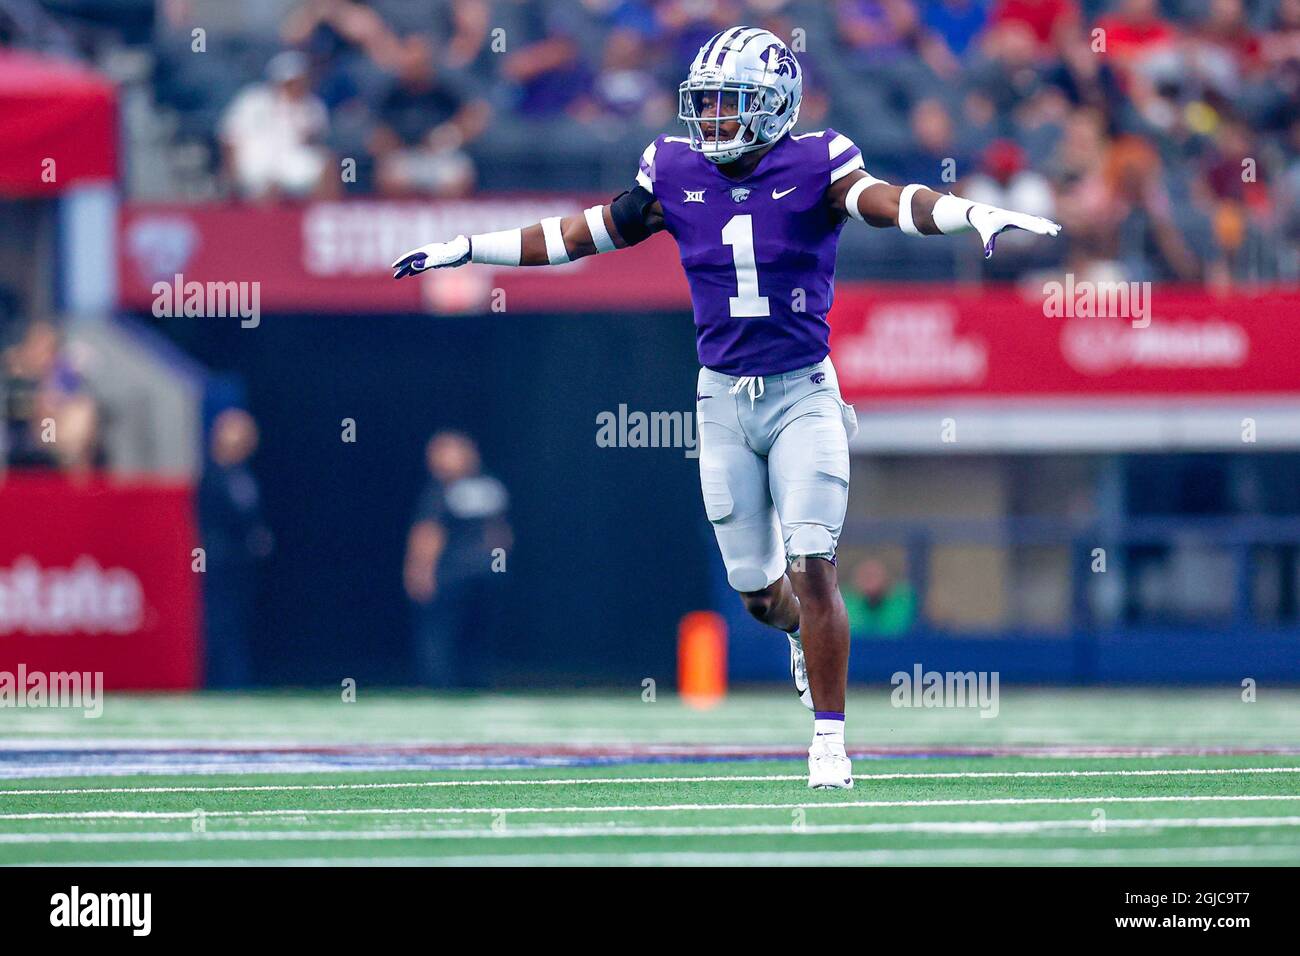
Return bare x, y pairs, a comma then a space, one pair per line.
744, 74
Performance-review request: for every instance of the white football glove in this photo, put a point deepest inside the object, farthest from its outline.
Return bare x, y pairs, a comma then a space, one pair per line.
436, 255
990, 222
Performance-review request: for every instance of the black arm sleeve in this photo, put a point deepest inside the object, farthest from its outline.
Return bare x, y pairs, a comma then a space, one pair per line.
628, 210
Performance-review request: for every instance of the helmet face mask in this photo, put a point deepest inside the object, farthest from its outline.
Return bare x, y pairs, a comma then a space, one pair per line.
742, 94
709, 108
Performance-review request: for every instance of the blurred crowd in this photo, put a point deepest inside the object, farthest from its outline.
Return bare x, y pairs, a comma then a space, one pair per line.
51, 418
1165, 134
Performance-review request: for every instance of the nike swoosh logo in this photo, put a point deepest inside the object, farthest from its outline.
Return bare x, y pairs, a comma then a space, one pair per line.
784, 192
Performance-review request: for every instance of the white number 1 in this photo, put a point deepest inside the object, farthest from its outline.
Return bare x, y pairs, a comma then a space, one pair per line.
746, 303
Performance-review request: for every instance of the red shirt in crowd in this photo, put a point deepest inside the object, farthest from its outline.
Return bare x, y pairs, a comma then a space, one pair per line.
1126, 39
1041, 16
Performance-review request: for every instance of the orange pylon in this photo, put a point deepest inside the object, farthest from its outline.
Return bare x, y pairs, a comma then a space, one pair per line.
702, 659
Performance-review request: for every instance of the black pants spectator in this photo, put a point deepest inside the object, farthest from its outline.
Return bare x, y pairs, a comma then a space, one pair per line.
455, 634
228, 595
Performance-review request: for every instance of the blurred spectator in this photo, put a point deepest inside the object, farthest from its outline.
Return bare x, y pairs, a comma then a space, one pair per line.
1083, 76
1247, 221
1280, 46
935, 158
1276, 93
1228, 162
1224, 49
1003, 180
955, 23
235, 541
1135, 31
890, 52
348, 44
626, 86
1039, 121
1080, 158
1157, 243
424, 122
460, 523
51, 419
549, 75
461, 26
1084, 208
877, 32
27, 24
470, 23
1011, 69
1051, 24
687, 25
877, 605
271, 135
1291, 194
978, 122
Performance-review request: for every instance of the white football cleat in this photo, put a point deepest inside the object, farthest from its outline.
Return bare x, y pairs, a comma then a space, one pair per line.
829, 767
799, 672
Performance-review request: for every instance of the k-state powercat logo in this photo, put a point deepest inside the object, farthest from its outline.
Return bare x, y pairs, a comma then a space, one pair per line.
781, 61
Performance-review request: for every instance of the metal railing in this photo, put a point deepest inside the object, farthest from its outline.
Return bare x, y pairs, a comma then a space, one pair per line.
1240, 537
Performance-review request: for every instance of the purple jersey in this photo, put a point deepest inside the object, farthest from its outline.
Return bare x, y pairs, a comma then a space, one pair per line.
759, 252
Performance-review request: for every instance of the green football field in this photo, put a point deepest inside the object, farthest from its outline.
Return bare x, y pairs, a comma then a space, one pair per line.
1092, 777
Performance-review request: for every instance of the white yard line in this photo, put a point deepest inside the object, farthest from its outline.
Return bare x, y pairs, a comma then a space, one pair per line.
952, 827
1041, 856
620, 808
412, 784
601, 781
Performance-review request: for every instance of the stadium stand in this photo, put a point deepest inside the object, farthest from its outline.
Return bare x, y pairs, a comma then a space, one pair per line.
952, 92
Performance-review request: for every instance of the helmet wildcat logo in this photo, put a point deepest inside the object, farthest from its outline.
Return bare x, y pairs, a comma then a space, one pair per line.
781, 61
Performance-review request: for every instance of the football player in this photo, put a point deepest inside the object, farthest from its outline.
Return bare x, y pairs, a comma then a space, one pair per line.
756, 210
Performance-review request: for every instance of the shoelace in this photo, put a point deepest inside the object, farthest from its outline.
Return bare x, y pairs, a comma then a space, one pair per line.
825, 750
754, 383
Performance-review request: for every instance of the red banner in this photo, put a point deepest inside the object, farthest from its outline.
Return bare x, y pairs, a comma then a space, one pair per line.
97, 577
58, 125
1064, 340
334, 257
907, 343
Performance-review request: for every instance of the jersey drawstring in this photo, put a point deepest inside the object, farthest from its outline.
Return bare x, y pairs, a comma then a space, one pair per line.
754, 383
